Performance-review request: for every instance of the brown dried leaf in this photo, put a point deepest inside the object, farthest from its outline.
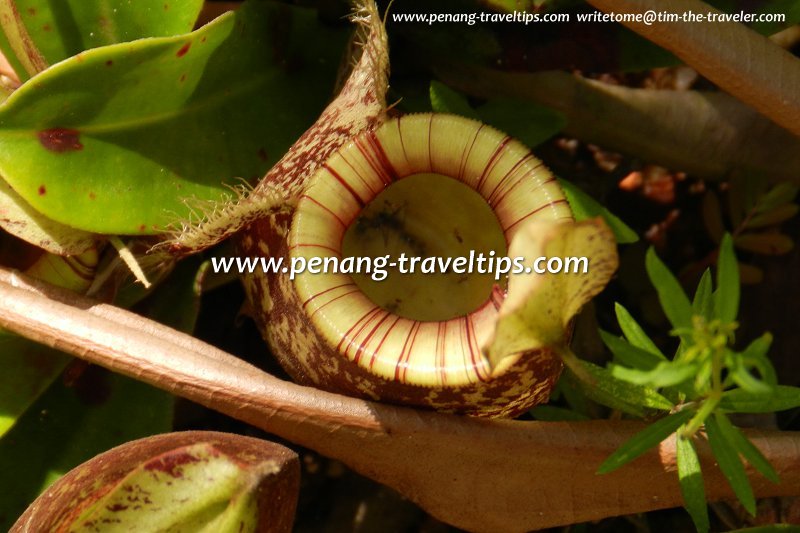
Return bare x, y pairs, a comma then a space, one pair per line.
739, 60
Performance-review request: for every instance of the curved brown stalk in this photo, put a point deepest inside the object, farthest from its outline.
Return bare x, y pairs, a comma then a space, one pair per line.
708, 134
739, 60
476, 474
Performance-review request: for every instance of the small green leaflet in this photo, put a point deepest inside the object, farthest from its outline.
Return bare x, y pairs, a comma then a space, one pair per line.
604, 388
702, 304
691, 480
730, 464
743, 445
726, 297
634, 333
670, 293
781, 398
651, 436
584, 206
446, 100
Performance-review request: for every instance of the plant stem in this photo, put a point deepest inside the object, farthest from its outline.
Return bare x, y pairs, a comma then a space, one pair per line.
433, 459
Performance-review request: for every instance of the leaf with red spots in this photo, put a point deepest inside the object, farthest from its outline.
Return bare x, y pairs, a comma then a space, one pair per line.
122, 135
18, 218
191, 481
62, 29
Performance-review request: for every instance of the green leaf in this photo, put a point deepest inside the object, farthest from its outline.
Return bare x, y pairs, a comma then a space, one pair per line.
64, 28
18, 218
628, 354
755, 355
765, 243
446, 100
530, 123
779, 195
670, 293
651, 436
193, 488
600, 385
781, 398
730, 464
211, 107
726, 301
702, 304
637, 54
774, 216
691, 480
743, 445
28, 370
664, 374
67, 426
789, 8
584, 206
634, 332
741, 375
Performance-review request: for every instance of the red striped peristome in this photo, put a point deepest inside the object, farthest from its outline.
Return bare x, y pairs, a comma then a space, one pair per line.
328, 333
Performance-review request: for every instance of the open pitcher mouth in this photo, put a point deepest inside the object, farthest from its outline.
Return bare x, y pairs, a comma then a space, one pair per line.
389, 194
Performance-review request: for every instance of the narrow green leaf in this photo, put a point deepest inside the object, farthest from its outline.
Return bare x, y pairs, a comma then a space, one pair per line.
781, 398
773, 216
665, 374
74, 147
779, 195
670, 293
651, 436
584, 206
601, 386
446, 100
726, 303
703, 303
530, 123
746, 380
691, 480
742, 444
730, 464
755, 355
628, 354
765, 243
634, 332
